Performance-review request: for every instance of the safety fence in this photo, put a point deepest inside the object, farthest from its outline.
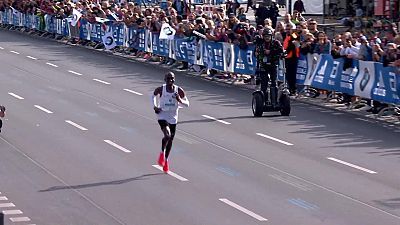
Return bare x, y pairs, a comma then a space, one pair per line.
370, 80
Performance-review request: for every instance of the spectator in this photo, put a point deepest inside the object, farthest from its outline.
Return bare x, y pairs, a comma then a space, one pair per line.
308, 45
292, 46
299, 6
261, 14
322, 45
313, 27
365, 52
241, 15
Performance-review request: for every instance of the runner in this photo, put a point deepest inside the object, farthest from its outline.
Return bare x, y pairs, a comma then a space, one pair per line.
170, 96
2, 114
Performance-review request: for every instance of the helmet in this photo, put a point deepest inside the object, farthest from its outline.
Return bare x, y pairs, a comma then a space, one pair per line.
267, 32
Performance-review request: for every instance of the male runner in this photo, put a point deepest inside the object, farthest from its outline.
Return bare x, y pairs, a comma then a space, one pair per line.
170, 96
2, 114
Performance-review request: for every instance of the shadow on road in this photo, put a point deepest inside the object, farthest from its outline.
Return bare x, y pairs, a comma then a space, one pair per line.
115, 182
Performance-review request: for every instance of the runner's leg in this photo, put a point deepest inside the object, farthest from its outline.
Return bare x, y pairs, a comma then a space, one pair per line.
169, 144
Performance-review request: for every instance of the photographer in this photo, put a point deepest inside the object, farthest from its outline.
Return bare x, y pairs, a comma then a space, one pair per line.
268, 51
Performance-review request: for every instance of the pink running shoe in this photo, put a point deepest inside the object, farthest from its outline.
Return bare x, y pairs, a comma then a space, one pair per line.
166, 167
161, 159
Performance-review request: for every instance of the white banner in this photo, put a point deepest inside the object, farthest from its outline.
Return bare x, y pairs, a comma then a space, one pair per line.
364, 82
148, 41
167, 32
109, 41
198, 53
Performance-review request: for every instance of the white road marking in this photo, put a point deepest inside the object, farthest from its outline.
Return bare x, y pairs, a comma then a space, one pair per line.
20, 219
15, 52
291, 181
76, 73
101, 81
12, 212
31, 57
134, 92
212, 118
51, 64
117, 146
351, 165
240, 208
6, 205
274, 139
43, 109
75, 125
171, 173
1, 48
3, 198
16, 96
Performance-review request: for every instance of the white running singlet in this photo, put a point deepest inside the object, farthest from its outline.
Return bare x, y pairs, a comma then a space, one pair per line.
168, 105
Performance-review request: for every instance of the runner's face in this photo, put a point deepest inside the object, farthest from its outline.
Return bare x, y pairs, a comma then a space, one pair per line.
170, 79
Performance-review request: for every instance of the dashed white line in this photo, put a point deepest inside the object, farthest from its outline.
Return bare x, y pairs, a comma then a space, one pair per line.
3, 198
117, 146
240, 208
51, 64
101, 81
171, 173
12, 212
134, 92
28, 56
6, 205
15, 96
1, 48
73, 72
352, 165
43, 109
15, 52
212, 118
274, 139
20, 219
76, 125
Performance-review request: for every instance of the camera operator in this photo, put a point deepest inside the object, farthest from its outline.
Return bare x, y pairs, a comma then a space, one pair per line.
268, 51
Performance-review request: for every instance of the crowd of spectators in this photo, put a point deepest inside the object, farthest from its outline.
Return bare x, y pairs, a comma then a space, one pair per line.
228, 23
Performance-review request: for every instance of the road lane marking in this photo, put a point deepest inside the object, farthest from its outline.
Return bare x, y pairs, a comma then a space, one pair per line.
51, 64
291, 181
134, 92
43, 109
274, 139
117, 146
171, 173
3, 198
12, 212
15, 96
351, 165
212, 118
6, 205
101, 81
1, 48
73, 72
15, 52
303, 204
75, 125
240, 208
31, 57
20, 219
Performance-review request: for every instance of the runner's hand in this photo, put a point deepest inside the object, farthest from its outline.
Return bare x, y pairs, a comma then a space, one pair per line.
157, 110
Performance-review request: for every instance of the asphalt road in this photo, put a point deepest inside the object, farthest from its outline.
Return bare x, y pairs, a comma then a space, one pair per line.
80, 140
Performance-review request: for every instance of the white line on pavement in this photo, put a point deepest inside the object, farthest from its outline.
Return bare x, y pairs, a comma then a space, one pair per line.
76, 73
101, 81
12, 212
134, 92
43, 109
117, 146
15, 52
351, 165
3, 198
274, 139
15, 96
20, 219
1, 48
51, 64
31, 57
171, 173
212, 118
240, 208
75, 125
6, 205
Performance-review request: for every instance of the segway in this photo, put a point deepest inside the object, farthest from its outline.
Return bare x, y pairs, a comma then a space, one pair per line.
273, 99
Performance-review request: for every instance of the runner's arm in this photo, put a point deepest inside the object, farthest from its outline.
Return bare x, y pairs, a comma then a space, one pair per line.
181, 98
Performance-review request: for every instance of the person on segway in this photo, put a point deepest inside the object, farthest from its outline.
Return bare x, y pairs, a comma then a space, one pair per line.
268, 52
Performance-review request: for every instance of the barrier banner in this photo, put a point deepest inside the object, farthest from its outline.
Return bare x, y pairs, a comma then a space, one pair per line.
191, 50
228, 57
147, 42
156, 44
245, 60
84, 29
323, 68
15, 18
119, 34
133, 38
386, 87
141, 39
10, 16
164, 47
95, 32
215, 55
198, 52
365, 79
181, 50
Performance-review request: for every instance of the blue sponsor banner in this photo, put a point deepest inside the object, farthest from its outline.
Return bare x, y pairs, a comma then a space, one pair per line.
141, 34
302, 69
386, 85
96, 32
84, 32
133, 38
321, 72
244, 60
181, 50
15, 19
119, 34
215, 55
163, 46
